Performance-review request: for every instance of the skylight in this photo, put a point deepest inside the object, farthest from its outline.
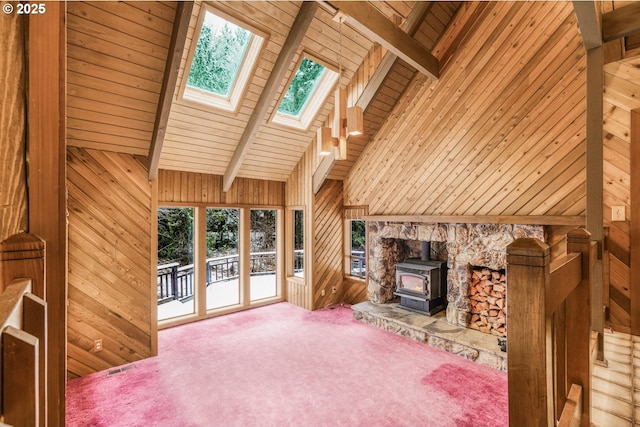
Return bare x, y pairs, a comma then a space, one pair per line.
301, 87
307, 90
221, 61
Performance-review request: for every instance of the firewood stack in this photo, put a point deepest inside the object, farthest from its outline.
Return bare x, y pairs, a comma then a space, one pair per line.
488, 293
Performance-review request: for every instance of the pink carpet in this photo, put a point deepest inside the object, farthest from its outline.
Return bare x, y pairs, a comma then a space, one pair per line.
281, 365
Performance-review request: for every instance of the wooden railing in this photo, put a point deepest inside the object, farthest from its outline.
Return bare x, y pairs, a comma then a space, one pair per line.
548, 324
23, 327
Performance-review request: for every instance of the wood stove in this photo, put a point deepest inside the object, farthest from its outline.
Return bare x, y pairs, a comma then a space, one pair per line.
422, 285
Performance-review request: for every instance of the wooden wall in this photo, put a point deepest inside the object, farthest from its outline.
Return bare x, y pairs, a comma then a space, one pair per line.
299, 194
110, 283
328, 245
622, 85
13, 197
190, 187
501, 133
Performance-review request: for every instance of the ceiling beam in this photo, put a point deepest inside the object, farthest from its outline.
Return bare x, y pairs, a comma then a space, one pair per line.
410, 26
176, 47
589, 23
366, 19
289, 49
621, 22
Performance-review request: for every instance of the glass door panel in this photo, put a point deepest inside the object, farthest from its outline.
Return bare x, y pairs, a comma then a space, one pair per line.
223, 264
175, 272
263, 254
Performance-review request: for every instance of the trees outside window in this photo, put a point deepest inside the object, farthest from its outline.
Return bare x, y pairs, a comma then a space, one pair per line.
219, 52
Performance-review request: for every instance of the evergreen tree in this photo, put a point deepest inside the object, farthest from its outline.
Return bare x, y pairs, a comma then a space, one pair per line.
301, 87
217, 58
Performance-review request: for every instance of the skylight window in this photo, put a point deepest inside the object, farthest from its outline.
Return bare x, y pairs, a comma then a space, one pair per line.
305, 94
221, 61
301, 87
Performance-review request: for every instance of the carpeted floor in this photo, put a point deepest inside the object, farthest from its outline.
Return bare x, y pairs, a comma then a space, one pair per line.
281, 365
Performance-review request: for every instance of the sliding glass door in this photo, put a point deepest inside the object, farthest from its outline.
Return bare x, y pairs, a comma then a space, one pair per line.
215, 260
223, 260
175, 270
263, 256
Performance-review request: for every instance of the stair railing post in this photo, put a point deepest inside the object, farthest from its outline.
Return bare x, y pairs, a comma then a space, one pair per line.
529, 335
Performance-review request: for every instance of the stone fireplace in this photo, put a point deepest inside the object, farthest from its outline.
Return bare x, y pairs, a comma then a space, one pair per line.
464, 247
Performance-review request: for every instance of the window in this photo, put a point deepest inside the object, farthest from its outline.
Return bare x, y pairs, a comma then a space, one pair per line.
298, 243
175, 272
221, 61
307, 90
357, 248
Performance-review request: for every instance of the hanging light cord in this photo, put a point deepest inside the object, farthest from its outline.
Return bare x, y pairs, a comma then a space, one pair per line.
340, 52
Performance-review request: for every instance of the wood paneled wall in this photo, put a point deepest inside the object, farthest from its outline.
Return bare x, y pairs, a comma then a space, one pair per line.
299, 194
328, 246
190, 187
13, 197
501, 133
110, 283
116, 62
622, 85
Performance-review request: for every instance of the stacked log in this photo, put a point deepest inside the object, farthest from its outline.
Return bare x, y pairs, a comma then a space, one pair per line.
488, 293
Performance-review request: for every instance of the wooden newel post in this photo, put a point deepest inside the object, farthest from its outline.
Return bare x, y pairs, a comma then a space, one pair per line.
529, 335
578, 315
22, 255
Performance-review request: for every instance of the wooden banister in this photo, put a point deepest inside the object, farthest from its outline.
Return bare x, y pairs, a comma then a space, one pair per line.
548, 324
571, 415
23, 328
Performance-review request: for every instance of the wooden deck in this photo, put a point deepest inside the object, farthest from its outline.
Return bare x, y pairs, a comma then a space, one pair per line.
616, 388
221, 294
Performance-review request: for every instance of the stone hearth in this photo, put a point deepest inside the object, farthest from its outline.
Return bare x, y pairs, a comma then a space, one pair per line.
460, 245
434, 331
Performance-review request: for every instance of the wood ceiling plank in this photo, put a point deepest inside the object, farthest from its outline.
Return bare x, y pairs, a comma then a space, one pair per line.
295, 37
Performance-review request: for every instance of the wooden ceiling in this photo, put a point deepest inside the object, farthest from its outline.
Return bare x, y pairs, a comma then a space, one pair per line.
117, 61
117, 57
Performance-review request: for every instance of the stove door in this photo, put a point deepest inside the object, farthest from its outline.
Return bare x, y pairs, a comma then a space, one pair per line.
413, 283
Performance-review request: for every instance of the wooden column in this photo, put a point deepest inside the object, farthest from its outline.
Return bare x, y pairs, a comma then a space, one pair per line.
595, 222
578, 333
46, 145
530, 358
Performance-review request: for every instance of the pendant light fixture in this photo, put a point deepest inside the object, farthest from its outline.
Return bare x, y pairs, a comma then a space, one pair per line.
346, 121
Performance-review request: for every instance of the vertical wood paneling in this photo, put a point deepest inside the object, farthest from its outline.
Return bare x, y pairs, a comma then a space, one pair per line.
501, 132
298, 193
13, 197
110, 295
191, 187
621, 86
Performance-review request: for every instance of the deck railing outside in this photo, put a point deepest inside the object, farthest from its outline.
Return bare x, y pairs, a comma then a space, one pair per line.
358, 264
177, 283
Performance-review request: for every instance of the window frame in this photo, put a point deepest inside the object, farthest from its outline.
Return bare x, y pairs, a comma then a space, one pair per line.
246, 69
316, 100
348, 256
